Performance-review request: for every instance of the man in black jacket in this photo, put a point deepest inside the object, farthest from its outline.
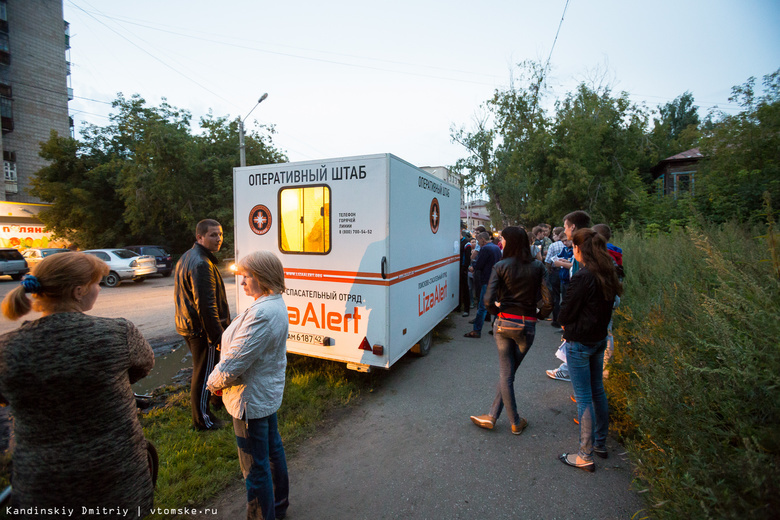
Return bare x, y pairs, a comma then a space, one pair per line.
202, 314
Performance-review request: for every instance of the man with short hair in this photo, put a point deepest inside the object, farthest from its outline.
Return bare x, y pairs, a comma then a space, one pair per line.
202, 314
572, 222
489, 254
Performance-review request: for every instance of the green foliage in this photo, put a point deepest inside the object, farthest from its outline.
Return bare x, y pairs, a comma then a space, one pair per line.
596, 153
677, 128
537, 168
145, 178
742, 155
693, 385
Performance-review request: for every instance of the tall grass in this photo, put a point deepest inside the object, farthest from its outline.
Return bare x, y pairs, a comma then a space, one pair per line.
695, 381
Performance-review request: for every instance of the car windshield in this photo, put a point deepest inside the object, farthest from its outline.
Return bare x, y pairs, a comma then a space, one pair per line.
48, 252
12, 254
155, 251
125, 253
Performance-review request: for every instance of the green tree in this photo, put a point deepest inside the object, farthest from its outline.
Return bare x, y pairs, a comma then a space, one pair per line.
677, 128
506, 147
599, 147
742, 155
144, 178
81, 185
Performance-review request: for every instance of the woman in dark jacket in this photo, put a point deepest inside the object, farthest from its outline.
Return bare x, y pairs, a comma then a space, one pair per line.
67, 377
585, 315
511, 294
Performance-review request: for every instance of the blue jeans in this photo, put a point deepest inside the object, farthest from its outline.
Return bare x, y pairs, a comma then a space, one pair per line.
481, 310
264, 465
512, 348
586, 363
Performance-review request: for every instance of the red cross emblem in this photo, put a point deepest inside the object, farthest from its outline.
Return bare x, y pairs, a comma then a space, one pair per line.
260, 220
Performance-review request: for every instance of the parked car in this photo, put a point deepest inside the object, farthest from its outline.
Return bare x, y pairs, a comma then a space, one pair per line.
13, 263
163, 257
35, 254
125, 265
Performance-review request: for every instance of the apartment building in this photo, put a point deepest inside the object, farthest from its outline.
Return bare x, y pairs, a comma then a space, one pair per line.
34, 93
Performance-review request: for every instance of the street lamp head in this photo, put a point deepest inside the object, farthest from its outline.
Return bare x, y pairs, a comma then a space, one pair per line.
262, 98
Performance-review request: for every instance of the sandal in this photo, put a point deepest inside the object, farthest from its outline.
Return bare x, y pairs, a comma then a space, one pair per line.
577, 462
472, 334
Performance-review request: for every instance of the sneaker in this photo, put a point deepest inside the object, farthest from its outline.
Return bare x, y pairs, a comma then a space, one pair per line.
558, 374
483, 421
465, 314
601, 452
556, 325
518, 429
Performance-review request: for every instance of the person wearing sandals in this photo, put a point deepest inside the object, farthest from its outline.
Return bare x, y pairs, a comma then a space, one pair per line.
585, 314
511, 295
67, 377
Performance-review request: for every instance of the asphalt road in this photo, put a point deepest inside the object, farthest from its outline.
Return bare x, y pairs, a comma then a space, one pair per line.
408, 450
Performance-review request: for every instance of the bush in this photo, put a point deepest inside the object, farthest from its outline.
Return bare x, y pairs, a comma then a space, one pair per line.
694, 381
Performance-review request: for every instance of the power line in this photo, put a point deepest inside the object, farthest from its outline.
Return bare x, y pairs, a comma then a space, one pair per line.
547, 65
148, 53
237, 46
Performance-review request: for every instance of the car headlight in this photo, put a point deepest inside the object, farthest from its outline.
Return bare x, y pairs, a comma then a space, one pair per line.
133, 264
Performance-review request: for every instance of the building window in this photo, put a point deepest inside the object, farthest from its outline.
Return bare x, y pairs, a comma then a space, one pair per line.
683, 182
7, 114
9, 169
304, 220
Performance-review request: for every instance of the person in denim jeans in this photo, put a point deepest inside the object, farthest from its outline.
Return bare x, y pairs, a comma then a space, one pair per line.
511, 295
250, 377
488, 255
585, 315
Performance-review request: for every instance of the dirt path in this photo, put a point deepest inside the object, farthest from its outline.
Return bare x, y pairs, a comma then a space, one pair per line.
409, 450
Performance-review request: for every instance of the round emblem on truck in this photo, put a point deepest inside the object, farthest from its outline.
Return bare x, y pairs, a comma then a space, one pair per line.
260, 220
435, 215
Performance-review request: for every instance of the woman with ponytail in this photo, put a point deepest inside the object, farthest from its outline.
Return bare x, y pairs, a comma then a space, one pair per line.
585, 315
67, 378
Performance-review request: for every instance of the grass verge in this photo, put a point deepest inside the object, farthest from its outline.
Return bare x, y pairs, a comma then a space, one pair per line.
694, 382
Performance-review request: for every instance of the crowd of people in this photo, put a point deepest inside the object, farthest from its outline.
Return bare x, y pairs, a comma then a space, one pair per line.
90, 451
520, 279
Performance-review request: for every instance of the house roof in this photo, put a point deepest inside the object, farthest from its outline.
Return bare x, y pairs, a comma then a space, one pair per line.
691, 155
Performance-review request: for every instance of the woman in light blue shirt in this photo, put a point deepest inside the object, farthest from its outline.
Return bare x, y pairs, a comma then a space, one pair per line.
250, 377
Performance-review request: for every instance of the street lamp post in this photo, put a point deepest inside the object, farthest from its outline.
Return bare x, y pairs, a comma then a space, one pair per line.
241, 146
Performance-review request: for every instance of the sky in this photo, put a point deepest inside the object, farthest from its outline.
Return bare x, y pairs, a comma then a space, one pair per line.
355, 77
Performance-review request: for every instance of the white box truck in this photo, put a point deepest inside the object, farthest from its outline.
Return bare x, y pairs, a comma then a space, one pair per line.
370, 249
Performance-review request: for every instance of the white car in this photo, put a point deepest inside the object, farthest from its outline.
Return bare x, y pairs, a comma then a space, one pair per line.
125, 265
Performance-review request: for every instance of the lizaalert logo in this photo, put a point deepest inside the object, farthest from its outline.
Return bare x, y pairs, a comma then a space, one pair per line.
435, 215
320, 318
260, 220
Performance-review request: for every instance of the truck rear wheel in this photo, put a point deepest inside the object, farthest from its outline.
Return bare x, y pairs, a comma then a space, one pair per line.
423, 347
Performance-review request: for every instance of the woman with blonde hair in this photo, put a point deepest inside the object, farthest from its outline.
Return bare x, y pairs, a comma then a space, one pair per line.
67, 378
250, 377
